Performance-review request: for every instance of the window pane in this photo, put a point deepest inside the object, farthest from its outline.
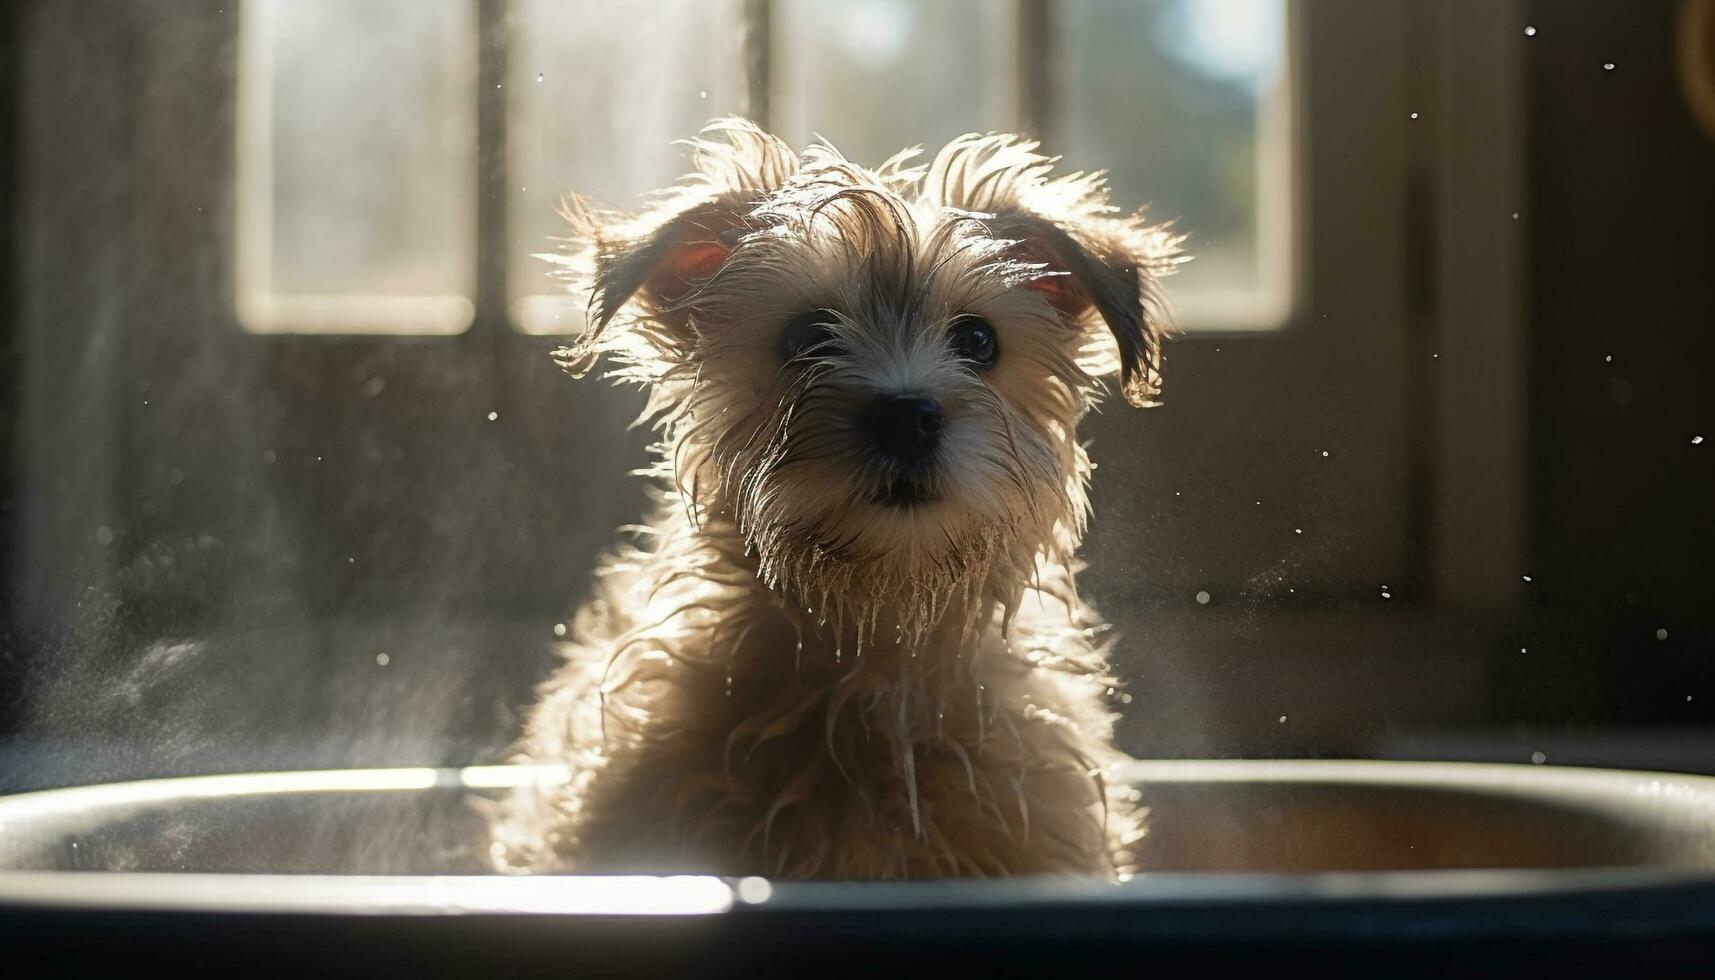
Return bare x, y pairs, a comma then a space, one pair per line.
356, 165
601, 90
1185, 104
874, 76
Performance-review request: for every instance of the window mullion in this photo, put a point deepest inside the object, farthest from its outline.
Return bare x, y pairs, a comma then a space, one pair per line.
491, 175
758, 51
1034, 49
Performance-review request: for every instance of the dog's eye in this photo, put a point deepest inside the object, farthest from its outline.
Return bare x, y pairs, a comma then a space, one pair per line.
972, 338
810, 333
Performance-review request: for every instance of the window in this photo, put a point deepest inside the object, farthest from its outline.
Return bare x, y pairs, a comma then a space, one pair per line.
874, 76
376, 231
1206, 97
355, 160
600, 91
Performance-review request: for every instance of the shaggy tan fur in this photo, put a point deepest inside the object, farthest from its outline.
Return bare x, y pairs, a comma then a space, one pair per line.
788, 676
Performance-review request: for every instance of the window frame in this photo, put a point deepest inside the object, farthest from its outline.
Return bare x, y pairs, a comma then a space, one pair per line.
1271, 306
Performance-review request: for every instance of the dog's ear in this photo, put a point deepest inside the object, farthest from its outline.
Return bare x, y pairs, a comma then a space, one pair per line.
660, 266
1080, 256
655, 260
1079, 274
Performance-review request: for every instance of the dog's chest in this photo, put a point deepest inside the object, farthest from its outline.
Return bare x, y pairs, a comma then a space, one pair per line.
879, 759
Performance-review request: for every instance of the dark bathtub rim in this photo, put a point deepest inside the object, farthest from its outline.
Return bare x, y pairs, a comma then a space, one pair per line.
1581, 921
1447, 890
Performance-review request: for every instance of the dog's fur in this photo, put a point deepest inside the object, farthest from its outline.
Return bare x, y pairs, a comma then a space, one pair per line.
788, 676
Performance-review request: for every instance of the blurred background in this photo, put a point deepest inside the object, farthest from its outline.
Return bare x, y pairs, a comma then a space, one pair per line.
289, 479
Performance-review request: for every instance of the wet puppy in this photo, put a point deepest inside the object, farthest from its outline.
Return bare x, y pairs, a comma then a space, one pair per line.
847, 644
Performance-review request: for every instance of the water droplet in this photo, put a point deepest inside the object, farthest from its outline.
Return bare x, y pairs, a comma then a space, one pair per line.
1202, 598
1608, 359
1515, 215
702, 94
382, 659
1607, 66
1414, 115
1661, 634
1529, 31
104, 536
492, 416
1697, 440
1526, 577
1324, 454
559, 629
1297, 530
1283, 719
1538, 758
1387, 595
1522, 650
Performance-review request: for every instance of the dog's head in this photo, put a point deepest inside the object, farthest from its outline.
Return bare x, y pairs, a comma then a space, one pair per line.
876, 375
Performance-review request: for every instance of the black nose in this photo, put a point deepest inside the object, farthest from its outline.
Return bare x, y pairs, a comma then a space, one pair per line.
906, 427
